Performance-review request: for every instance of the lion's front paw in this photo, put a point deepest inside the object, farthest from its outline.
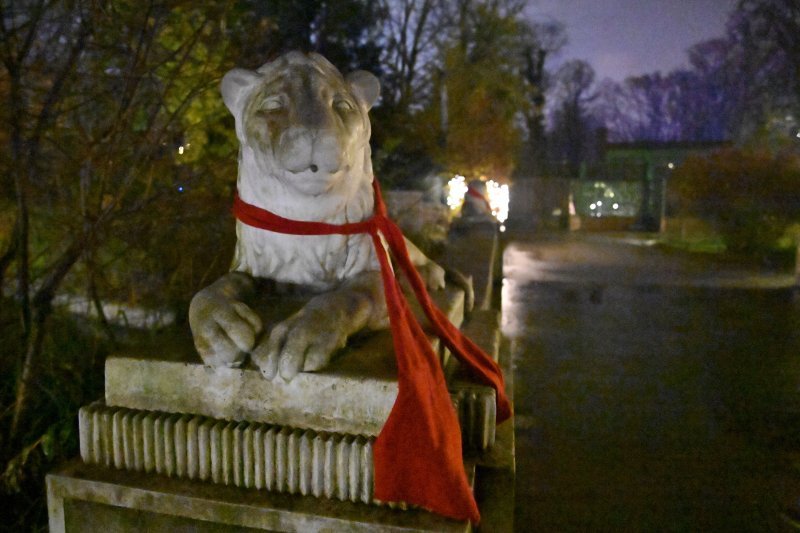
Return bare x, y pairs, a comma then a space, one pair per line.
432, 274
224, 330
304, 342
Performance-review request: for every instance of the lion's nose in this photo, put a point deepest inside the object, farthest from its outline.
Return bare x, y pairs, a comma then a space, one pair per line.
313, 168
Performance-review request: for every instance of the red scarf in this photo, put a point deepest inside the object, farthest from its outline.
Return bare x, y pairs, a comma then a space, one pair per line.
418, 457
481, 198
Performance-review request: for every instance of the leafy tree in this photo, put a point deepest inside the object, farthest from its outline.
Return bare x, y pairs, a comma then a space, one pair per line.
482, 92
99, 98
346, 32
453, 89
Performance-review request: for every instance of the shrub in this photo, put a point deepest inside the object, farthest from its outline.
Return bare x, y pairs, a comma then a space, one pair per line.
750, 196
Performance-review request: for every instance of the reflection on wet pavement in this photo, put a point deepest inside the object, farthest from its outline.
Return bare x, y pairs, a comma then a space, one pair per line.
644, 404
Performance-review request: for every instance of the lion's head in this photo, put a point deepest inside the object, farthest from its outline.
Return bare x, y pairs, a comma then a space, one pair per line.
303, 128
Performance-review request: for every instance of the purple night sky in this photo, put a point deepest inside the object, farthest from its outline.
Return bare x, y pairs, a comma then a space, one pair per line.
620, 38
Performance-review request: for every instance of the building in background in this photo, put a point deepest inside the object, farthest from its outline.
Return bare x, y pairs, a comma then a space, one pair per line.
629, 187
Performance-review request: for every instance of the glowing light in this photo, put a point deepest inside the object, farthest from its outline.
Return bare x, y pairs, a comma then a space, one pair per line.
456, 189
180, 188
670, 165
498, 200
180, 150
798, 135
502, 228
593, 206
615, 206
599, 203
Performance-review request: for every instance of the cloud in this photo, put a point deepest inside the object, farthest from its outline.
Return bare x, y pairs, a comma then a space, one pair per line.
615, 64
622, 38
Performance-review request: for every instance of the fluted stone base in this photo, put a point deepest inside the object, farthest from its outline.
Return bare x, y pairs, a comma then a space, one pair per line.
252, 454
241, 454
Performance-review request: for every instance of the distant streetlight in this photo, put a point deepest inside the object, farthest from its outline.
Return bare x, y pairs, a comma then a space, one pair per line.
498, 200
456, 189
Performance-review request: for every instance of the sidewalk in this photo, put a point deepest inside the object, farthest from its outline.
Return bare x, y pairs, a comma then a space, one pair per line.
632, 260
654, 391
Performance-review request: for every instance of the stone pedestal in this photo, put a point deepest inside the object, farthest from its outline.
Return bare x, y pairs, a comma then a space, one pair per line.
94, 499
176, 445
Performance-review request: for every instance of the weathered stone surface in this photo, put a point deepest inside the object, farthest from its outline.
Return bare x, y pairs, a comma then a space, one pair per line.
325, 402
92, 499
474, 250
252, 454
494, 493
501, 454
261, 456
301, 434
496, 470
477, 414
476, 404
354, 395
309, 161
483, 328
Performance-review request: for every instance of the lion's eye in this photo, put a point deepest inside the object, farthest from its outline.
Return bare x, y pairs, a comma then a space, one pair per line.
272, 104
343, 105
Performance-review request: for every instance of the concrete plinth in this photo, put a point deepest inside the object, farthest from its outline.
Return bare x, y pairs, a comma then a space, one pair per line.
179, 446
93, 499
354, 394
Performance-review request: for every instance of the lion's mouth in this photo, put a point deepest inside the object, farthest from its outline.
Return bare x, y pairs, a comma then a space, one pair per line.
315, 180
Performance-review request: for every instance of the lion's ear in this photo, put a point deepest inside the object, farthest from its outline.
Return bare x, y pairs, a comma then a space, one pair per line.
235, 84
365, 85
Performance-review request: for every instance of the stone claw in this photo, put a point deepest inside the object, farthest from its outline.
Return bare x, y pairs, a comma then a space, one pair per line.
297, 344
224, 329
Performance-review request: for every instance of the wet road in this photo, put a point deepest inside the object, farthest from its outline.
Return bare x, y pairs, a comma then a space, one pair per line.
650, 395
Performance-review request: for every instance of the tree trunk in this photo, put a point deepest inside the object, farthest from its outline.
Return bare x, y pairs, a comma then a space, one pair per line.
21, 235
42, 308
25, 379
8, 256
797, 265
98, 307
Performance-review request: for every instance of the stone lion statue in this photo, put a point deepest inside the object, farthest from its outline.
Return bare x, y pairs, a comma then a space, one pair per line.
304, 154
